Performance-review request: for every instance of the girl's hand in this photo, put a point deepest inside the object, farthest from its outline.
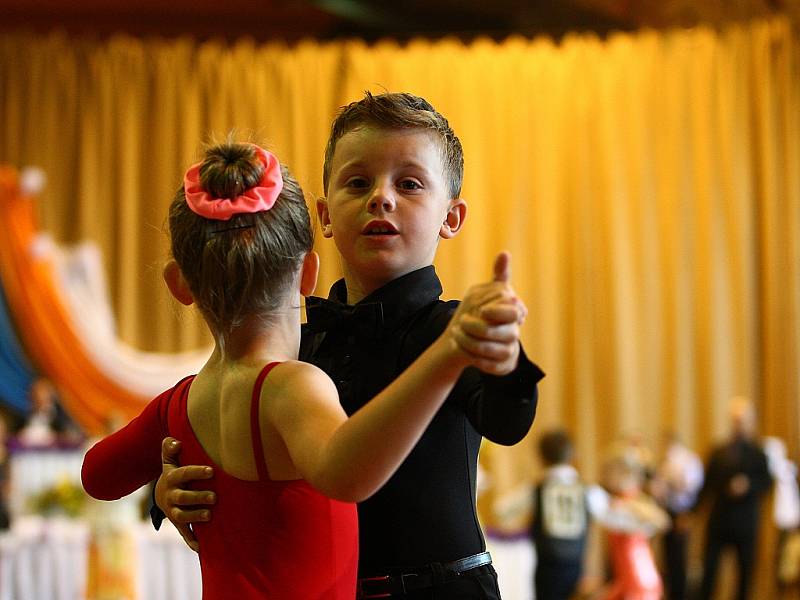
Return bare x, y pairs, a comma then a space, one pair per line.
485, 328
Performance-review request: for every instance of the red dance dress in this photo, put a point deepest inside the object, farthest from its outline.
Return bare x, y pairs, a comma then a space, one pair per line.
266, 539
635, 574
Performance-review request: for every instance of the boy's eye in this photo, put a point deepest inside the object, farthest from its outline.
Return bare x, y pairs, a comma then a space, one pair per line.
409, 184
357, 182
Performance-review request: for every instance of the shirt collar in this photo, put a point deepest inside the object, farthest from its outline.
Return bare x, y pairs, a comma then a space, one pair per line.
400, 297
562, 473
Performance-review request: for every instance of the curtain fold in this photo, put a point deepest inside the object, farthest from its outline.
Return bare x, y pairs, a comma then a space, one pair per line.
647, 184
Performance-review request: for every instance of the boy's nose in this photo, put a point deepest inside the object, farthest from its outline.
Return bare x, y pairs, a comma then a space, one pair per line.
382, 198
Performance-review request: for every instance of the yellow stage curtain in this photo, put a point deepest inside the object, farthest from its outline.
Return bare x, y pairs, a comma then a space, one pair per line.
647, 184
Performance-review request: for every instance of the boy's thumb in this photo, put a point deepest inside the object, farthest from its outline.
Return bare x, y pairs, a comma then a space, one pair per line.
170, 450
502, 267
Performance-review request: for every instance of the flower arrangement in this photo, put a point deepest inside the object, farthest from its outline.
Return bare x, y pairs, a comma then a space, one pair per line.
65, 498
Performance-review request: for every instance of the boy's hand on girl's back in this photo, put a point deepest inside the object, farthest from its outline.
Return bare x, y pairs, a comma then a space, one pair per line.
181, 505
486, 325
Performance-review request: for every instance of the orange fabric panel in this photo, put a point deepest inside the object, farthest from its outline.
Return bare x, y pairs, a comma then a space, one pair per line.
43, 322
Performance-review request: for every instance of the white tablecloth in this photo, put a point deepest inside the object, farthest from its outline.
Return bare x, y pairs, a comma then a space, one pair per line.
47, 559
168, 570
514, 559
43, 559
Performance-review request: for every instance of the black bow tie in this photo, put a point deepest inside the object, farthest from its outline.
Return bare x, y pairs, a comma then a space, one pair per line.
364, 320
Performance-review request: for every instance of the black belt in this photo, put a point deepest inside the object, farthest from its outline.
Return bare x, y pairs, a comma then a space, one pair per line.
386, 586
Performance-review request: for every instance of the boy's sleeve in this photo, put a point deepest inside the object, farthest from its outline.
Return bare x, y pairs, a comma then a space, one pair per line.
130, 458
502, 408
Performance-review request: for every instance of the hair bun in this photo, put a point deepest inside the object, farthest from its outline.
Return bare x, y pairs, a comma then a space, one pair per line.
228, 170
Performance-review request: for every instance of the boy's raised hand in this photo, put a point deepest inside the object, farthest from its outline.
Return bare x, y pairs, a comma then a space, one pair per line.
486, 324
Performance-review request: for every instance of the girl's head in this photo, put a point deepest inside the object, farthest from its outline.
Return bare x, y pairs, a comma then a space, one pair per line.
622, 471
239, 230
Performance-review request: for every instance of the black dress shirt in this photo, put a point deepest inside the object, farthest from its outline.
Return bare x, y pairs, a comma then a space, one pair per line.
426, 512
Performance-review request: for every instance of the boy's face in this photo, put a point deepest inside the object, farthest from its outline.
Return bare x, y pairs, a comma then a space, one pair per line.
387, 204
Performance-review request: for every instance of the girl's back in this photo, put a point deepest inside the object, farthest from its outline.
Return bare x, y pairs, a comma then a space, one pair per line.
268, 538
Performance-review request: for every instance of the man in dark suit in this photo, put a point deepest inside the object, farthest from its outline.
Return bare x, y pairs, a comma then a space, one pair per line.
737, 477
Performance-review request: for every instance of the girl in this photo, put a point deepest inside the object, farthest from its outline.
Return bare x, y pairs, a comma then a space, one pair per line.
287, 461
630, 517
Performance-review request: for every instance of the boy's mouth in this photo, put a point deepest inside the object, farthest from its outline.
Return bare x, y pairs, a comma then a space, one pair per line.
379, 228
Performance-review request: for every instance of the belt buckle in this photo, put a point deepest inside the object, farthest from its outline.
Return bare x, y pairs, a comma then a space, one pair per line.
366, 595
403, 580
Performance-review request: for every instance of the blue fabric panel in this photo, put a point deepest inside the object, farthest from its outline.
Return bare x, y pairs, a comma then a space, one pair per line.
16, 373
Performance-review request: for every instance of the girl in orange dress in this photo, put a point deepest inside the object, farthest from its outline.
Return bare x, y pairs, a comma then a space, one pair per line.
631, 518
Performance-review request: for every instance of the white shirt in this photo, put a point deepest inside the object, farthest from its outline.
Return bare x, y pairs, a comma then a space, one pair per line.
682, 473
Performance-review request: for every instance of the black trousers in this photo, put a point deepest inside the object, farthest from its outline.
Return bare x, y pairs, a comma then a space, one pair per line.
556, 580
744, 544
479, 583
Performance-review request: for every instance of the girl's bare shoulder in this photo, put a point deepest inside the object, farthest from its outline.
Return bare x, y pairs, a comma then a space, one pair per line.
296, 379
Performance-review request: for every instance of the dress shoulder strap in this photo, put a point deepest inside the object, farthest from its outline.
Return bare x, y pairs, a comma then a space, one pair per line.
173, 415
255, 422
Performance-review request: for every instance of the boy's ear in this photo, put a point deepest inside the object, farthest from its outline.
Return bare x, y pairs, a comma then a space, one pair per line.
324, 217
177, 284
454, 219
308, 273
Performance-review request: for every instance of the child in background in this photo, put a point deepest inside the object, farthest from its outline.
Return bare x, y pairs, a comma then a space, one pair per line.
675, 485
560, 524
630, 517
391, 160
287, 460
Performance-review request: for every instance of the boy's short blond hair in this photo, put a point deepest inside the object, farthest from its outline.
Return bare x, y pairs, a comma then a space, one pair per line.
399, 111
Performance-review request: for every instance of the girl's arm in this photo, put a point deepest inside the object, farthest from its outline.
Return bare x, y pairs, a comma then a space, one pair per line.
350, 459
626, 515
130, 458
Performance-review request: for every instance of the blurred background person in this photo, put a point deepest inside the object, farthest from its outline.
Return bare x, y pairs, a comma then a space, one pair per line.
785, 513
40, 428
560, 524
675, 484
737, 478
631, 517
5, 518
47, 423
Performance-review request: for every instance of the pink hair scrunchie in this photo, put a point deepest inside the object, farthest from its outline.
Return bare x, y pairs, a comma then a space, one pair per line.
257, 199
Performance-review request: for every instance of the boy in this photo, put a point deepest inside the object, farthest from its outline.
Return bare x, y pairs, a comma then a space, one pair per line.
560, 525
392, 178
